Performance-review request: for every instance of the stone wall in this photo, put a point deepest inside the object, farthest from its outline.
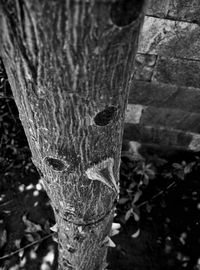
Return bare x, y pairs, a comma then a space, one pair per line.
164, 102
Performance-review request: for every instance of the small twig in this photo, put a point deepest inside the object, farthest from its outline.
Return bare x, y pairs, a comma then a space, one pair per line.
158, 194
11, 113
6, 203
6, 97
29, 245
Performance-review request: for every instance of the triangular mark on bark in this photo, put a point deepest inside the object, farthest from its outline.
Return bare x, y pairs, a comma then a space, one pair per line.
96, 172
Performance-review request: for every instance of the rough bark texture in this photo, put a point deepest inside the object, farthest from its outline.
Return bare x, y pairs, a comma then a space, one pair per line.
70, 65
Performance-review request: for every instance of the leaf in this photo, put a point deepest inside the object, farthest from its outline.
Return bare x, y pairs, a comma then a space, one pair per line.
188, 167
136, 212
136, 216
123, 201
159, 161
30, 226
163, 203
128, 214
6, 211
180, 175
47, 227
150, 171
177, 166
3, 238
137, 196
146, 180
29, 237
148, 207
183, 163
132, 185
136, 234
167, 175
17, 243
21, 253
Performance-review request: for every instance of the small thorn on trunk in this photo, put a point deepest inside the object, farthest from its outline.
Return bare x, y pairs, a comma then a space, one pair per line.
108, 242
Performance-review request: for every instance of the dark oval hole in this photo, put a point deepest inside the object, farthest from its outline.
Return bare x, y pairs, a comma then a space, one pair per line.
124, 12
55, 164
104, 117
195, 21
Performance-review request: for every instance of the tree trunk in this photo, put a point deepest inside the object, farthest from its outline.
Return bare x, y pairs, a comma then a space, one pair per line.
70, 64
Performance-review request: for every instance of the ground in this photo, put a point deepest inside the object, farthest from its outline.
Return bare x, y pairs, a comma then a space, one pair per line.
159, 207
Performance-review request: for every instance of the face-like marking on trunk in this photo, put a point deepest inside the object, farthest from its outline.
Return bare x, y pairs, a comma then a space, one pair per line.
103, 172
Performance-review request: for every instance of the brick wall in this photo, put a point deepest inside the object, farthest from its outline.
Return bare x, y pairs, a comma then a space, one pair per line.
164, 102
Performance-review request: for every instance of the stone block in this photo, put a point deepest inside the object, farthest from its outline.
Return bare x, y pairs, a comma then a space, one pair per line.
177, 71
184, 10
164, 138
158, 135
171, 118
170, 38
133, 113
157, 8
162, 95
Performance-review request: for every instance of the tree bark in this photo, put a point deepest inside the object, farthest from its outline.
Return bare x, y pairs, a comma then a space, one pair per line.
70, 65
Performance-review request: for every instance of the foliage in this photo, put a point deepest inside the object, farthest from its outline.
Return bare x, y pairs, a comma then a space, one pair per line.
26, 217
138, 176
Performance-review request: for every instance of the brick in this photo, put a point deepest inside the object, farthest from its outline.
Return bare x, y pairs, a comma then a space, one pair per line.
157, 8
170, 38
177, 71
162, 95
163, 137
160, 136
195, 143
184, 10
171, 118
134, 113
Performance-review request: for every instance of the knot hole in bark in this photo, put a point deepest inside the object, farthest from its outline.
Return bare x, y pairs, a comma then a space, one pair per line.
124, 12
104, 117
55, 164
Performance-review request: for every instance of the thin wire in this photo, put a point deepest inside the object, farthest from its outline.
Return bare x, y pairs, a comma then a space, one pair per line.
29, 245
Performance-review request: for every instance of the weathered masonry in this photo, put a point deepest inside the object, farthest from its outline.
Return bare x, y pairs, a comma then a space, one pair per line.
164, 102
